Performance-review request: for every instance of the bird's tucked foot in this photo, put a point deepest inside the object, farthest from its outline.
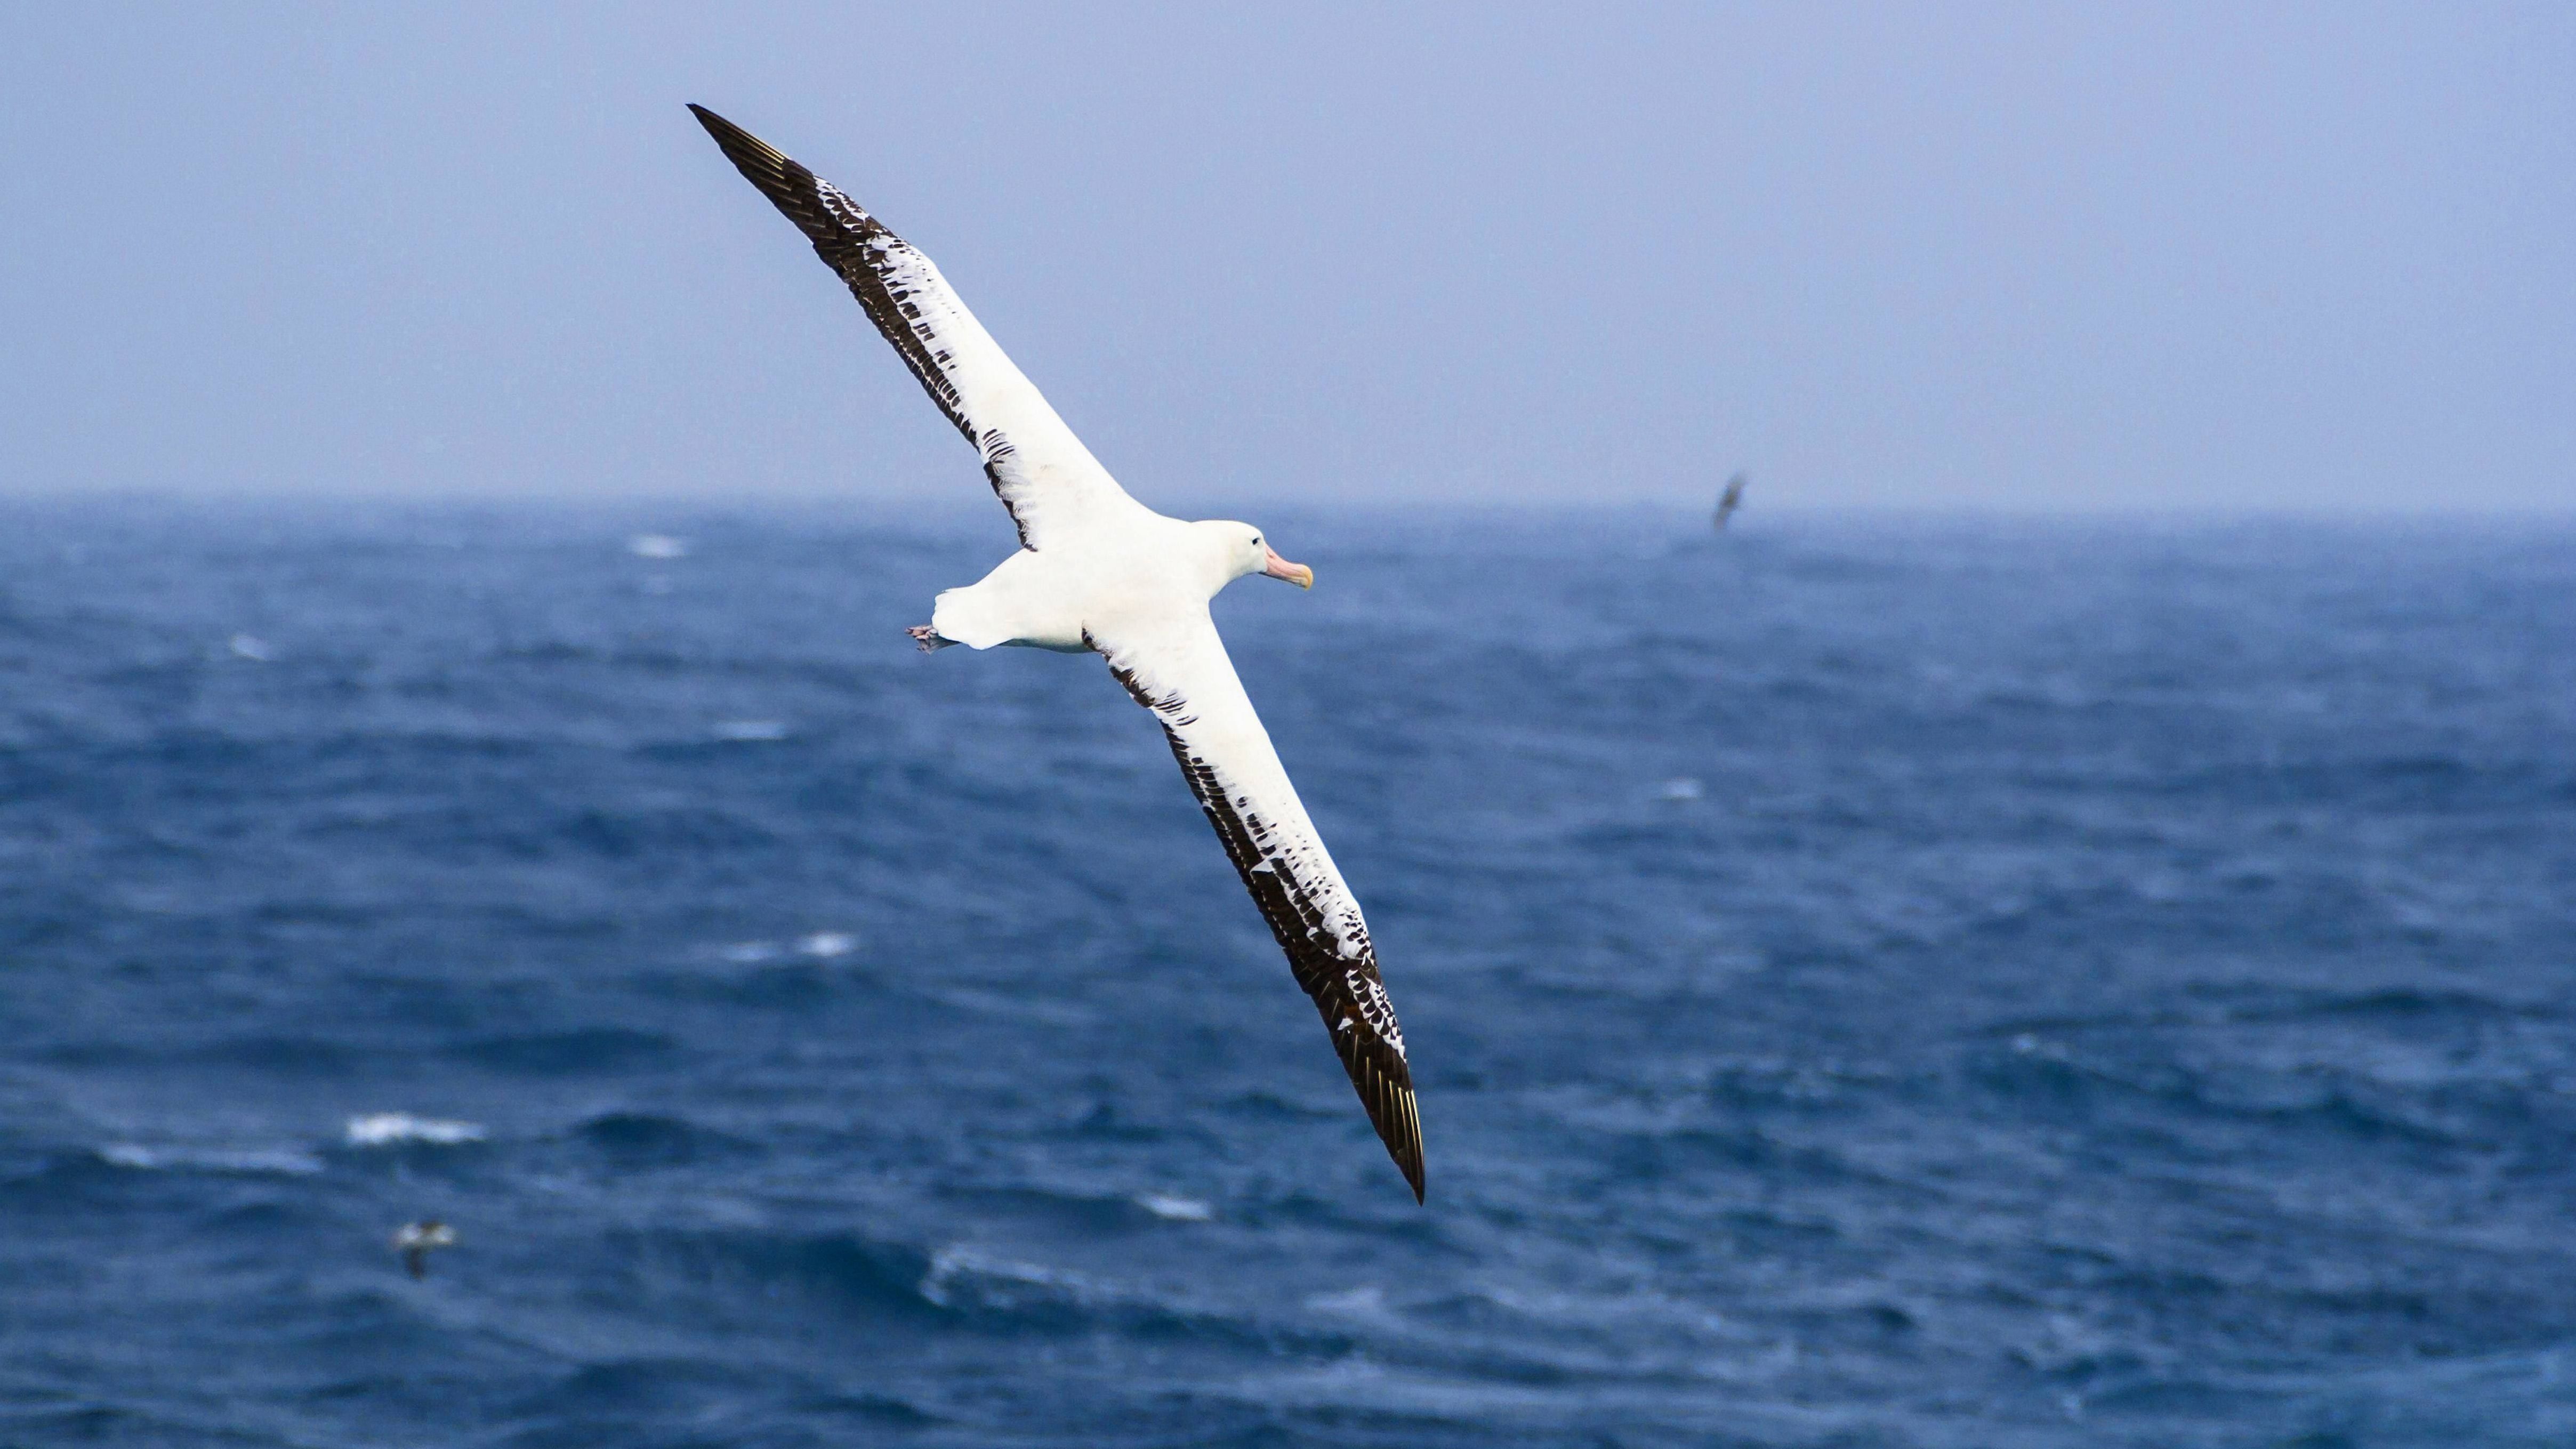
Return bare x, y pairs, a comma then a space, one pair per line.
928, 638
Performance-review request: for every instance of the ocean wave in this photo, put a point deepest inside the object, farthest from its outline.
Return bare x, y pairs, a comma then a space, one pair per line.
1087, 1214
821, 945
894, 1285
766, 983
2040, 1073
552, 1053
628, 834
2398, 1005
635, 1139
969, 1278
625, 1400
997, 1292
290, 1161
378, 1129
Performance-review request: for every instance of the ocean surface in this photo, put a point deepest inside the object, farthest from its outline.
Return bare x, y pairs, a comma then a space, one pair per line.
1934, 982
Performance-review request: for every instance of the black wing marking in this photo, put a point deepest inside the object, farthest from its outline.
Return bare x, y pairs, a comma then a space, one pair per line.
1039, 469
1194, 693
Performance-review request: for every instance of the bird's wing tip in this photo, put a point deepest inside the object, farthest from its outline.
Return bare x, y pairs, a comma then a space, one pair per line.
1402, 1134
727, 134
730, 136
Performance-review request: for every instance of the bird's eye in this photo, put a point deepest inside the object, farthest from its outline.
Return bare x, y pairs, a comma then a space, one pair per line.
1256, 538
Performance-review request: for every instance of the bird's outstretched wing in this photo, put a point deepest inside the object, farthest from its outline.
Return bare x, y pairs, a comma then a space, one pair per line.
1042, 472
1180, 671
1730, 500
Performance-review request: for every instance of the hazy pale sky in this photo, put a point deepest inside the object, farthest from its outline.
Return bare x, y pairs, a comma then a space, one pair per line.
2063, 257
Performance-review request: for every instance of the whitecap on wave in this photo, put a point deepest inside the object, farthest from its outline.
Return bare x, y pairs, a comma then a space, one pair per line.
1178, 1209
209, 1159
657, 545
823, 945
962, 1277
747, 731
379, 1129
1366, 1300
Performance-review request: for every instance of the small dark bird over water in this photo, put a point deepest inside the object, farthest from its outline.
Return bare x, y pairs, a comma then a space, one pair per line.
414, 1240
1729, 501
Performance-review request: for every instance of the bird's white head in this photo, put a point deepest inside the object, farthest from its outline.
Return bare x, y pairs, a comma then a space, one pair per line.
1242, 550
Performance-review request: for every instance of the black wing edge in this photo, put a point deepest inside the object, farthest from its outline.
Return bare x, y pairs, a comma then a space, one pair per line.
1378, 1072
844, 236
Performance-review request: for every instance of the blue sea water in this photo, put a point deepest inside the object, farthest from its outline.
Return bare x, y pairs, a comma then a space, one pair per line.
1934, 982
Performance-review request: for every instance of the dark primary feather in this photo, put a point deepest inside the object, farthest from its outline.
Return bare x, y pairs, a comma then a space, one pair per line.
863, 252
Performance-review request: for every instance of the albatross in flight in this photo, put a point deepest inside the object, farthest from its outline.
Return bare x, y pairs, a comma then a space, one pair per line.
1729, 501
1099, 572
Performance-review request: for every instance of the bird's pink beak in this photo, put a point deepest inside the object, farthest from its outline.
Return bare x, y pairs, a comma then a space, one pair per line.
1280, 568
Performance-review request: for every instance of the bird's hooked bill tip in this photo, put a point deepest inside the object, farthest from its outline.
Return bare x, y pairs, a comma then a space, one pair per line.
1295, 573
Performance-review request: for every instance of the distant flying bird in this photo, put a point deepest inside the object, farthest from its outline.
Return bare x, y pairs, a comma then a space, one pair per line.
415, 1240
1729, 501
1099, 572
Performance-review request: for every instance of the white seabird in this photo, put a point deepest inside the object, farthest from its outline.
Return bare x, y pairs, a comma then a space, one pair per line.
1099, 572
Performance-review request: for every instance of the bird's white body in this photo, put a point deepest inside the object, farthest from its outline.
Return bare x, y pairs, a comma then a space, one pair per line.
1133, 570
